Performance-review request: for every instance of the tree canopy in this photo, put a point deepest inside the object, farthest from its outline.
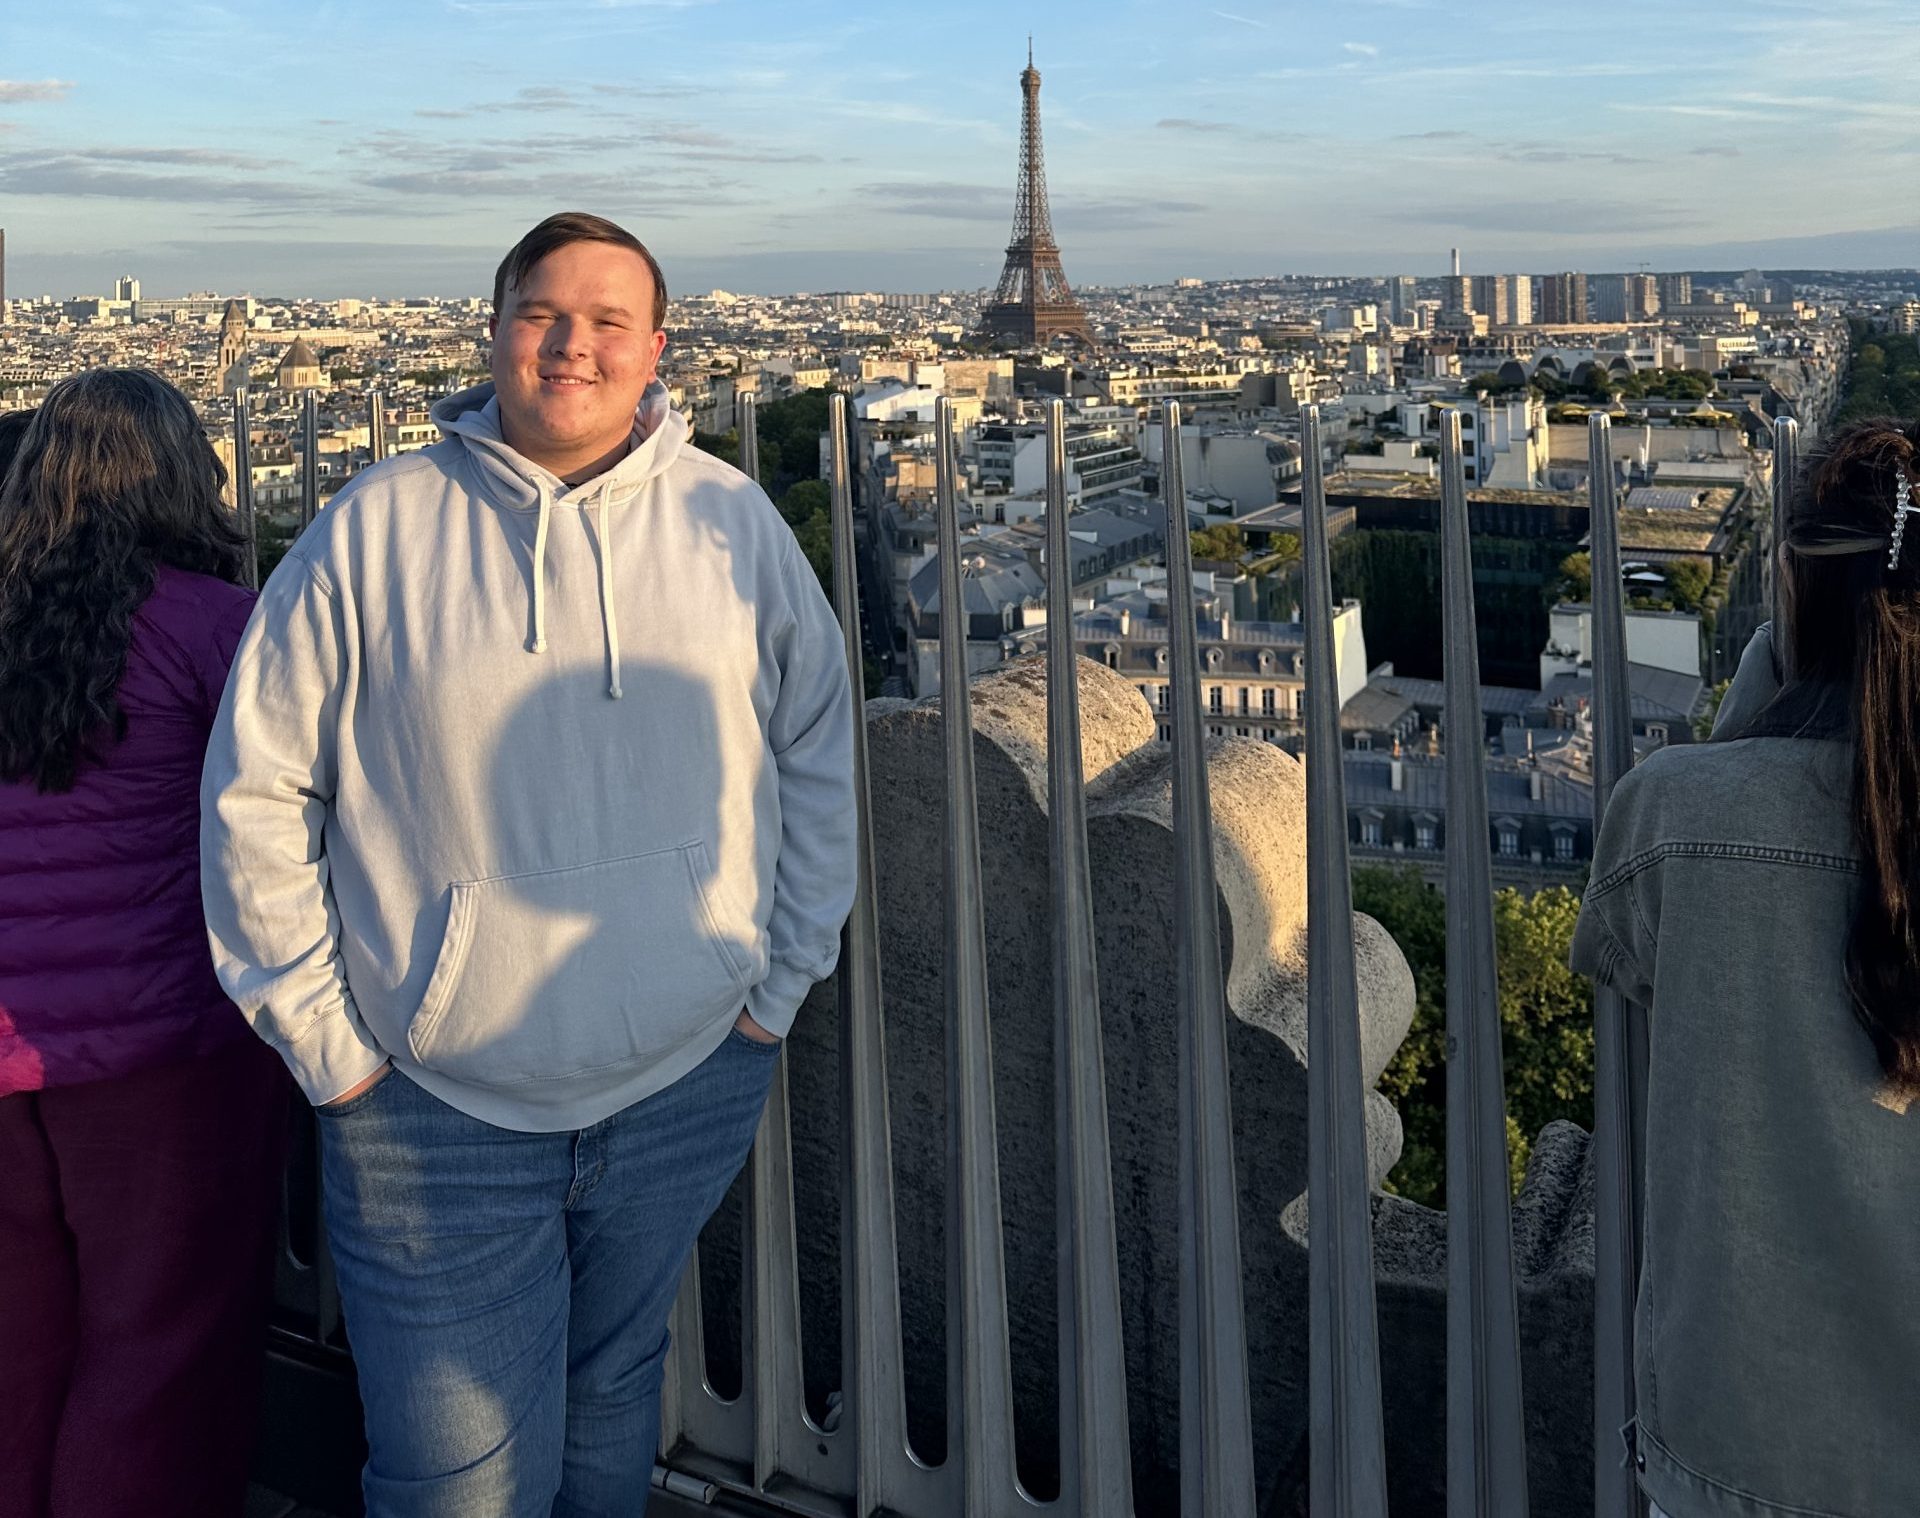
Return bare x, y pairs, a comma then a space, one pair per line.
1546, 1020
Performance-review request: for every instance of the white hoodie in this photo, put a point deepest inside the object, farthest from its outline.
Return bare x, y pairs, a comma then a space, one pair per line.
531, 789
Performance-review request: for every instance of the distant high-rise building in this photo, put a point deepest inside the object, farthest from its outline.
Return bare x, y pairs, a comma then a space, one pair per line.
1403, 294
1033, 304
1490, 298
1642, 297
1519, 293
1456, 263
231, 365
126, 287
1607, 296
1456, 294
1506, 300
1676, 290
1563, 299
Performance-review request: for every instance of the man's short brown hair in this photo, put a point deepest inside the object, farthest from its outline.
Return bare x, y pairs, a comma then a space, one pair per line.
555, 233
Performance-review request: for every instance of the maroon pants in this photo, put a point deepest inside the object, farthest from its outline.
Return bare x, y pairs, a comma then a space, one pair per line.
137, 1224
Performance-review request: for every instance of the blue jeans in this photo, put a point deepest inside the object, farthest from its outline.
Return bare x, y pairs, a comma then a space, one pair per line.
507, 1294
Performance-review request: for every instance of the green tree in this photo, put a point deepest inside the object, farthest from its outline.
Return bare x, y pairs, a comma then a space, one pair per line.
1687, 582
804, 500
1221, 541
1576, 577
1546, 1020
1415, 914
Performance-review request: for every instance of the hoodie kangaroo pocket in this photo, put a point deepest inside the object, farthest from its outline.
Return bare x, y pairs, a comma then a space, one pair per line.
555, 973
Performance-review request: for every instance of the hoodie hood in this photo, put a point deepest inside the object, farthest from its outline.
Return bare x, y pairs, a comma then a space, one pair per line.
514, 481
507, 478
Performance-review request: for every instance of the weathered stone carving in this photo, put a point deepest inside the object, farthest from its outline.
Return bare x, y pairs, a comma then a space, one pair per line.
1259, 806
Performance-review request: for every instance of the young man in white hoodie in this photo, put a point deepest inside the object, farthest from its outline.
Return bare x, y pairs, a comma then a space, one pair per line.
527, 823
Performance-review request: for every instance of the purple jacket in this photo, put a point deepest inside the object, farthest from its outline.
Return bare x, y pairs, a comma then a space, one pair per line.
104, 964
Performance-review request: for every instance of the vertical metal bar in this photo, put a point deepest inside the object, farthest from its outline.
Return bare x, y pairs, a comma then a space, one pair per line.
774, 1380
979, 1363
874, 1396
1616, 1231
309, 457
1348, 1447
376, 426
1786, 471
683, 1382
1486, 1433
1096, 1467
1216, 1429
750, 438
243, 484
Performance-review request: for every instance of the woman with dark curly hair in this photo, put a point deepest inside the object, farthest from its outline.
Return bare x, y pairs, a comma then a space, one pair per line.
141, 1122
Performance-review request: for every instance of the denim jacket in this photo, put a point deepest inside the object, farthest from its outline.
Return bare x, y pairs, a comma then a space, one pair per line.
1777, 1334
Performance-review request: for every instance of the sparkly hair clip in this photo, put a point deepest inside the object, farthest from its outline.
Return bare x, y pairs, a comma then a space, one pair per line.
1904, 506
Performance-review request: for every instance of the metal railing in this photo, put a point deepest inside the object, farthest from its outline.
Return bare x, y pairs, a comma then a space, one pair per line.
764, 1444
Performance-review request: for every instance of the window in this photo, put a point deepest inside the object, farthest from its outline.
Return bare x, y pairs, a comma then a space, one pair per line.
1166, 733
1266, 702
1363, 743
1246, 701
1244, 732
1160, 697
1657, 732
1563, 846
1217, 700
1370, 832
1423, 836
1146, 694
1113, 656
1509, 843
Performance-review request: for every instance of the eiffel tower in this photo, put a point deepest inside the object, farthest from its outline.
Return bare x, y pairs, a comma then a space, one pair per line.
1033, 304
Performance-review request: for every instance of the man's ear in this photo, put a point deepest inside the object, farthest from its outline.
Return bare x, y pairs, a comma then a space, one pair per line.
493, 327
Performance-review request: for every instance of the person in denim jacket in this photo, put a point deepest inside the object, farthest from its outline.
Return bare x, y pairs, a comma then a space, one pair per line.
1757, 895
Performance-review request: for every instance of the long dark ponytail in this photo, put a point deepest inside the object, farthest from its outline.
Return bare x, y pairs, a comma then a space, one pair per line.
1853, 625
113, 477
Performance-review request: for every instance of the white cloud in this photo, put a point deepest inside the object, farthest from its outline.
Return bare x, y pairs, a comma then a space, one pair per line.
23, 91
1362, 49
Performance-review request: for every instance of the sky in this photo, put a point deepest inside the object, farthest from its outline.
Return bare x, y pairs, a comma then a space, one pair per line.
398, 147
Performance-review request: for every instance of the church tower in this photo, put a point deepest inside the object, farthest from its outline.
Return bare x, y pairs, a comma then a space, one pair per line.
231, 365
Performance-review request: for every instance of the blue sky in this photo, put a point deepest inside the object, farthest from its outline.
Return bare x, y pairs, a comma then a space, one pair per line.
343, 147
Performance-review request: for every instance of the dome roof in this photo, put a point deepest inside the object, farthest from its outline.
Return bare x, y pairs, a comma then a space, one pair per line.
1511, 375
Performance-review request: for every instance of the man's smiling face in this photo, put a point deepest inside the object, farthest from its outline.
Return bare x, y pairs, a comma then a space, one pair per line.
574, 346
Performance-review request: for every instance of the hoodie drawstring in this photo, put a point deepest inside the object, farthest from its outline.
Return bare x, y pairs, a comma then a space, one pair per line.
540, 571
606, 597
607, 616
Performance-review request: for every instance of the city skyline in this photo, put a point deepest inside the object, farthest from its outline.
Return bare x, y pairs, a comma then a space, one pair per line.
258, 147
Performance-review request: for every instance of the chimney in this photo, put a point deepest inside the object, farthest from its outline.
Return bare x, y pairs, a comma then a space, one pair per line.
1398, 771
1536, 785
1226, 629
1126, 621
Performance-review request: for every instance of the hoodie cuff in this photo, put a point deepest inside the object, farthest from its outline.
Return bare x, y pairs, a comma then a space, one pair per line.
334, 1055
775, 1001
